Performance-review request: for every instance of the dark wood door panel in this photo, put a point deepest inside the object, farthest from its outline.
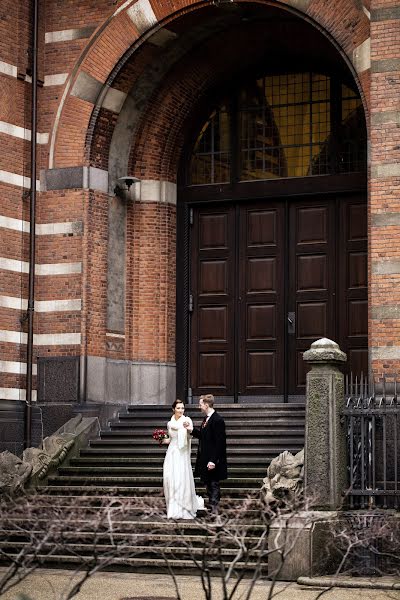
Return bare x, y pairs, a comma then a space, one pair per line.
311, 282
312, 273
312, 320
212, 373
213, 324
262, 227
353, 284
261, 371
213, 231
261, 274
213, 293
311, 224
261, 322
261, 298
213, 277
257, 263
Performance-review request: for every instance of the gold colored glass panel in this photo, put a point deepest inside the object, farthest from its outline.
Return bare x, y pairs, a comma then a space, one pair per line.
285, 137
211, 155
285, 130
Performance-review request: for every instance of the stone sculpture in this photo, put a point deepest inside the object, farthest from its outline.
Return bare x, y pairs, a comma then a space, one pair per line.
16, 473
284, 482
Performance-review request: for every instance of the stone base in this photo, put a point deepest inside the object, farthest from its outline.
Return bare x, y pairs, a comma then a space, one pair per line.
128, 382
313, 547
300, 544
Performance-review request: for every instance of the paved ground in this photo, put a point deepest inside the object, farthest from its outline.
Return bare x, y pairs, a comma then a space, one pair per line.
52, 585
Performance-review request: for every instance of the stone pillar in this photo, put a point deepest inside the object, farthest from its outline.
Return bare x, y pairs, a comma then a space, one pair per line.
325, 472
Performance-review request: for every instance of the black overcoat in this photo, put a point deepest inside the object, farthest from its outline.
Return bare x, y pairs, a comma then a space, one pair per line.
212, 448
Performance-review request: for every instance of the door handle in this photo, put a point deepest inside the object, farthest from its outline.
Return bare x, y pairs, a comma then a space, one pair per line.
291, 322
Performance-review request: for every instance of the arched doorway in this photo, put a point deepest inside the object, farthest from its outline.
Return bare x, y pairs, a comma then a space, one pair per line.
274, 215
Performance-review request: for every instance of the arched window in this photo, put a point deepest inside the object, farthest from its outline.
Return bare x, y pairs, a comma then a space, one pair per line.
286, 125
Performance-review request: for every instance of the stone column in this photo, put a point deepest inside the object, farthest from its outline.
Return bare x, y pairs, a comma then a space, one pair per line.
325, 475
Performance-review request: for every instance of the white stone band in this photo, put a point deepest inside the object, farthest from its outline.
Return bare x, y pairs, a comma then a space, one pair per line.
15, 394
18, 180
18, 368
21, 266
8, 69
41, 339
22, 133
41, 306
56, 79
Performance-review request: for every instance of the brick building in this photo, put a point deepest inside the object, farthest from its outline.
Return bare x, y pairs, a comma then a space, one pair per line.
265, 140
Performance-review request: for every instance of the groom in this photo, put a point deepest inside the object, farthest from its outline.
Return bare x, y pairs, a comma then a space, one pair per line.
211, 464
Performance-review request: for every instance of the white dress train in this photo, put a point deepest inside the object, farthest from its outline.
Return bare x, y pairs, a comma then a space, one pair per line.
179, 490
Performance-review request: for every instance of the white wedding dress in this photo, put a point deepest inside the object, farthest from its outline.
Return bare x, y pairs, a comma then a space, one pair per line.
179, 490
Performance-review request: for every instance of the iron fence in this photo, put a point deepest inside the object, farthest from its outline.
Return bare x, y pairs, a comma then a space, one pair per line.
372, 419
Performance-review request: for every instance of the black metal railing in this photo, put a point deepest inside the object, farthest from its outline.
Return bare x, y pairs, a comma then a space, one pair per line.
372, 412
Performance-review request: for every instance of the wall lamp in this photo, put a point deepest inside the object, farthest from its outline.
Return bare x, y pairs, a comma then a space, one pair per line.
123, 185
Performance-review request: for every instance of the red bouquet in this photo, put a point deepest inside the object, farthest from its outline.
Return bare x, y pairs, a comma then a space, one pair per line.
159, 435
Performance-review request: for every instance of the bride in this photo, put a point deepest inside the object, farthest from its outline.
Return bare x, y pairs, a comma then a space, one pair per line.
179, 491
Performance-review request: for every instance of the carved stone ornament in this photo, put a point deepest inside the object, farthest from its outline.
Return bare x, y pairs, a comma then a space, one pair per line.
36, 462
13, 473
284, 482
324, 350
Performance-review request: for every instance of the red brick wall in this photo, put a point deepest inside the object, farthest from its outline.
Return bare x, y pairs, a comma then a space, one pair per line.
80, 135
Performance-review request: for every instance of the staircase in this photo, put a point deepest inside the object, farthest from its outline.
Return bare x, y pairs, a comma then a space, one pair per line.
117, 480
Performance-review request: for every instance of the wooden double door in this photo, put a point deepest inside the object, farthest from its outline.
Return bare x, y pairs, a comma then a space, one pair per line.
267, 279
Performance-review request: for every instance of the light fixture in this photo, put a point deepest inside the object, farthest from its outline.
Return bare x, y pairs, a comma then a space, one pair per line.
123, 185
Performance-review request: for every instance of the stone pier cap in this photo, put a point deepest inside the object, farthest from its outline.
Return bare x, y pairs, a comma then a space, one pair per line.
324, 350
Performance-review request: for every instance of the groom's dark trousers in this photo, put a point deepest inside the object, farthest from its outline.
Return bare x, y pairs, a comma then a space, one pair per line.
212, 448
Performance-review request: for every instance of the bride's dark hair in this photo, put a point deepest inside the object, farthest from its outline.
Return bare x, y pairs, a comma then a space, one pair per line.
177, 401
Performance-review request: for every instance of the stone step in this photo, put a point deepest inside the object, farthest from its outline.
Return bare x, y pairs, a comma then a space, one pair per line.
82, 549
9, 537
121, 472
116, 440
113, 490
148, 471
123, 450
222, 407
144, 565
231, 417
105, 460
143, 482
144, 527
130, 506
126, 420
146, 433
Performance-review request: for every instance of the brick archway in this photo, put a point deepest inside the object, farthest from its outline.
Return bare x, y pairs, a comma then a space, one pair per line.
90, 85
124, 110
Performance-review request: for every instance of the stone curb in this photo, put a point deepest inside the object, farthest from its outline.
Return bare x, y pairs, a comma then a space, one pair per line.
349, 583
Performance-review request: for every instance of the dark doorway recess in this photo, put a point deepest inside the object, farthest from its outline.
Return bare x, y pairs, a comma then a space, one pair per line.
267, 279
272, 238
